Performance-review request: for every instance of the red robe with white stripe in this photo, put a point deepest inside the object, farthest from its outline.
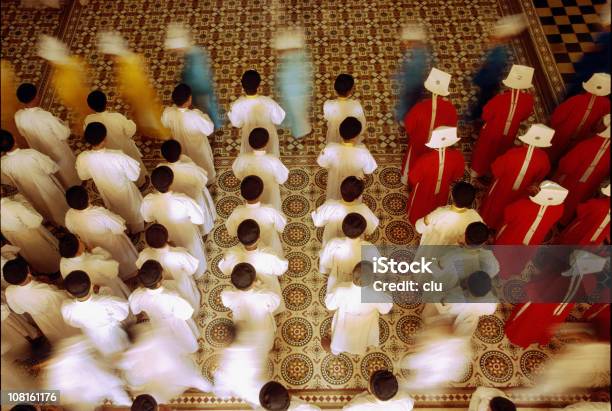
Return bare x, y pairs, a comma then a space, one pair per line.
502, 119
582, 170
527, 223
431, 179
419, 126
513, 173
591, 225
575, 119
535, 322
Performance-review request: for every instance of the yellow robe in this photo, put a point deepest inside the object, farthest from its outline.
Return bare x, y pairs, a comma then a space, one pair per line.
9, 103
70, 83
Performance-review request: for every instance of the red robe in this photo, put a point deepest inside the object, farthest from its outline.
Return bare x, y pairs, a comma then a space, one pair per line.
419, 127
535, 322
582, 170
591, 225
527, 223
599, 316
431, 181
508, 185
500, 128
575, 119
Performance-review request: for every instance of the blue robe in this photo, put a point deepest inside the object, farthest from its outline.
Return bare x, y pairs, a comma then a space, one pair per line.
410, 78
488, 78
197, 74
294, 83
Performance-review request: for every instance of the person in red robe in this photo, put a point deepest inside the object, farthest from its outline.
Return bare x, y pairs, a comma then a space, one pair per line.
502, 116
583, 169
535, 322
434, 172
426, 116
515, 171
592, 223
576, 118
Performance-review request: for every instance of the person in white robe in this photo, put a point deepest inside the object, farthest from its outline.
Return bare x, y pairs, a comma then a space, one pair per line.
490, 399
98, 263
180, 214
273, 396
46, 133
191, 180
120, 130
114, 174
99, 316
99, 227
84, 380
164, 306
22, 226
331, 213
32, 173
271, 222
41, 301
384, 394
345, 159
8, 252
264, 165
177, 263
252, 110
191, 128
355, 324
17, 332
336, 110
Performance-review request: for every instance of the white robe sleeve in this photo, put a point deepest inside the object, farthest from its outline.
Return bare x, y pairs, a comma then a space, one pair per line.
188, 264
27, 214
117, 308
327, 111
82, 167
369, 164
281, 173
235, 116
490, 265
326, 257
227, 263
239, 167
54, 126
130, 167
279, 220
324, 160
277, 114
128, 127
205, 124
11, 301
321, 216
371, 220
134, 301
46, 163
360, 114
112, 222
277, 266
196, 215
105, 263
270, 300
335, 298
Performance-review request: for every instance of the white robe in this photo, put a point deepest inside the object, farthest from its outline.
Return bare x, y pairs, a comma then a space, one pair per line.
339, 258
482, 397
267, 167
355, 324
22, 226
15, 329
31, 172
181, 216
446, 225
459, 262
466, 315
336, 111
100, 317
342, 161
168, 310
48, 134
119, 136
191, 179
331, 213
114, 174
249, 112
43, 302
297, 404
271, 222
367, 402
179, 266
102, 269
99, 227
191, 128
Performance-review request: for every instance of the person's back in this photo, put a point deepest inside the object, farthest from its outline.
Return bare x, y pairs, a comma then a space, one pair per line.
336, 110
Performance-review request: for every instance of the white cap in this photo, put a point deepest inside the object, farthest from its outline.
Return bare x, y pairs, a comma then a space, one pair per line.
443, 136
606, 190
437, 82
538, 135
598, 84
605, 133
510, 26
520, 77
606, 120
287, 39
52, 49
177, 37
111, 42
414, 32
550, 194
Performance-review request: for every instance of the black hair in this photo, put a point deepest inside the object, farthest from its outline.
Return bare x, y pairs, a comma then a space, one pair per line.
77, 283
476, 233
95, 133
362, 273
479, 283
258, 138
144, 402
181, 94
96, 100
248, 232
156, 236
69, 245
243, 275
344, 84
273, 396
351, 188
251, 187
171, 150
501, 404
23, 407
463, 194
26, 92
77, 197
15, 271
150, 273
162, 178
250, 81
383, 385
350, 128
7, 142
353, 225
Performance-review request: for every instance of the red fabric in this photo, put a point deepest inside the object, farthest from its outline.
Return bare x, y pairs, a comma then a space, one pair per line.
423, 178
566, 119
505, 170
518, 218
416, 123
536, 324
571, 168
491, 142
599, 316
589, 216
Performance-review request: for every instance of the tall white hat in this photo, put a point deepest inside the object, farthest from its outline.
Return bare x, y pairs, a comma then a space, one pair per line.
443, 136
510, 26
598, 84
177, 37
538, 135
550, 194
287, 39
412, 31
437, 82
111, 42
520, 77
606, 190
52, 49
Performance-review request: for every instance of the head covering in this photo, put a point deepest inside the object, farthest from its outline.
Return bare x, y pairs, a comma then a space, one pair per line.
150, 273
156, 236
243, 275
598, 84
273, 396
605, 133
437, 82
519, 77
144, 402
443, 137
112, 43
353, 225
289, 38
550, 194
15, 271
383, 385
510, 26
248, 232
251, 187
52, 49
538, 135
77, 283
413, 32
606, 190
177, 37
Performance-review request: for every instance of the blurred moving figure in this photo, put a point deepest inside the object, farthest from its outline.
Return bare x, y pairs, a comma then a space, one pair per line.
490, 399
384, 394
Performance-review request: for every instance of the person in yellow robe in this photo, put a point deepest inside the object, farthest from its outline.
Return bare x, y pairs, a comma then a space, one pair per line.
8, 102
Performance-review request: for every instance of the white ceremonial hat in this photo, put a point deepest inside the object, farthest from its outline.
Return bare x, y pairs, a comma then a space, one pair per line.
598, 84
510, 26
177, 37
538, 135
437, 82
443, 136
287, 39
110, 42
605, 133
520, 77
550, 194
412, 31
52, 49
606, 120
606, 190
